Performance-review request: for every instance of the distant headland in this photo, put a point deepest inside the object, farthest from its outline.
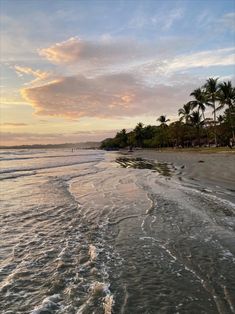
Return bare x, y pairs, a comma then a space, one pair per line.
83, 145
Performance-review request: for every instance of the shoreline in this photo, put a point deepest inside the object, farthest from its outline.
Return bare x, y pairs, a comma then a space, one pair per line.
200, 150
211, 170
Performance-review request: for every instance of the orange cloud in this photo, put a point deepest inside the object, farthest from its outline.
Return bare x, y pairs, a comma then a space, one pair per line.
12, 124
36, 73
128, 98
65, 52
106, 51
108, 96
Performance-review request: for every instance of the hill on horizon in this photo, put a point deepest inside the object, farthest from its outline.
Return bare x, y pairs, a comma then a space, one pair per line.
82, 145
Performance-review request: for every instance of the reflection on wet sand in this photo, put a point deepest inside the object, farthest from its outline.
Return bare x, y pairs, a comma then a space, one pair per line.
140, 163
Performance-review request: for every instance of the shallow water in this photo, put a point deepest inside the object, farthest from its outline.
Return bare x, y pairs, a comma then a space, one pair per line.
80, 233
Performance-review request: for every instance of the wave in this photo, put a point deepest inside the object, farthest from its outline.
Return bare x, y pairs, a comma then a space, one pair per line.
47, 156
47, 166
100, 238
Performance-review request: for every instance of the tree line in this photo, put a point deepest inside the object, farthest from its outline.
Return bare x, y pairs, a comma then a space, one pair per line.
192, 128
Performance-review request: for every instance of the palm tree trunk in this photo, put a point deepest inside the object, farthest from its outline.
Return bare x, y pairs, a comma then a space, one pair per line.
203, 115
231, 124
199, 136
215, 135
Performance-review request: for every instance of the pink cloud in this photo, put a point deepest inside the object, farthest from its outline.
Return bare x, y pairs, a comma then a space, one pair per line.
108, 96
38, 74
161, 56
104, 51
65, 52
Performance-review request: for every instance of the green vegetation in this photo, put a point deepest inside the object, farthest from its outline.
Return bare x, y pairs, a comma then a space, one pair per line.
193, 129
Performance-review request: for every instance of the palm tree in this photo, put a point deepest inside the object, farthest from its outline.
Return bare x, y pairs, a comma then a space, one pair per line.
163, 130
138, 130
122, 138
226, 96
185, 113
211, 89
220, 119
200, 102
196, 121
163, 120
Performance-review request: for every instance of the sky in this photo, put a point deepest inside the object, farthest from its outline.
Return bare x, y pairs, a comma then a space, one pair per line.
75, 71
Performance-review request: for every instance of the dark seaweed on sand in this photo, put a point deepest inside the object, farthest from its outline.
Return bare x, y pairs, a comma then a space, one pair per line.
140, 163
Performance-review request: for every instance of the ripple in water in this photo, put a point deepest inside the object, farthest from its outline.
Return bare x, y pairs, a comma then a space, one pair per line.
95, 238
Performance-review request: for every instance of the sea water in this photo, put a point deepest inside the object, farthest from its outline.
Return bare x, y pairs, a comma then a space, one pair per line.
81, 234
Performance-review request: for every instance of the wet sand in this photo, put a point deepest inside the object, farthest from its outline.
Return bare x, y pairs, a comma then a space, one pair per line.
101, 232
212, 170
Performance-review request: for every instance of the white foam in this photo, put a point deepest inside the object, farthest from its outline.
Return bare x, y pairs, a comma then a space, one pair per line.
92, 252
48, 304
98, 286
108, 304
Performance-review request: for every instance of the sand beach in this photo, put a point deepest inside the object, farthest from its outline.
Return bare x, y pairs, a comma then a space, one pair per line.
209, 169
92, 231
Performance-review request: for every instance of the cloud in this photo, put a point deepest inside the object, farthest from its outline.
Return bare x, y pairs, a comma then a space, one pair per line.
203, 59
109, 56
13, 124
163, 21
14, 138
108, 51
38, 74
172, 17
228, 21
134, 81
217, 24
108, 96
76, 50
209, 58
13, 35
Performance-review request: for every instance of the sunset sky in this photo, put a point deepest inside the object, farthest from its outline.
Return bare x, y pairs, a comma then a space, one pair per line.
74, 71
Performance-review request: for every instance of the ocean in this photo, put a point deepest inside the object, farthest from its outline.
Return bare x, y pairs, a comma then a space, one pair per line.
88, 231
